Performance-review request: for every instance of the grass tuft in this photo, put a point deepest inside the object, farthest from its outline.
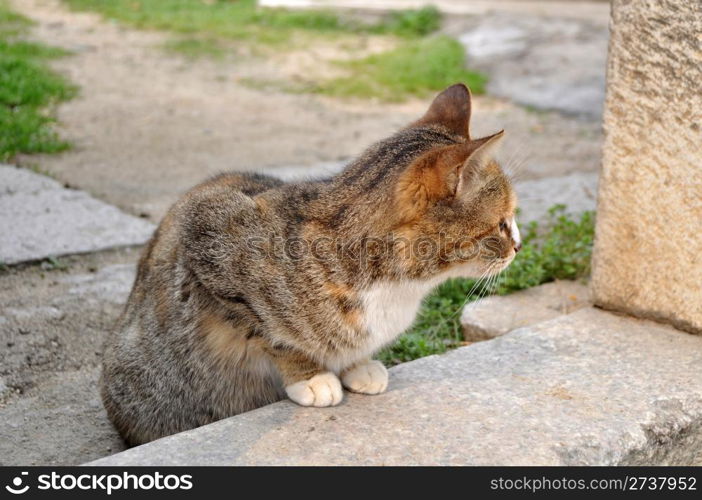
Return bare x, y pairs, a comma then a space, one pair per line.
194, 47
27, 88
560, 250
412, 23
416, 68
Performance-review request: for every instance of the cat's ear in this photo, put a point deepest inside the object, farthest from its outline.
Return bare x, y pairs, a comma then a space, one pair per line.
444, 173
451, 109
482, 151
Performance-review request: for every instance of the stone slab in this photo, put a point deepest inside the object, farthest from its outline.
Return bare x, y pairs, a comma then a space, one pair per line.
646, 259
587, 388
496, 315
40, 218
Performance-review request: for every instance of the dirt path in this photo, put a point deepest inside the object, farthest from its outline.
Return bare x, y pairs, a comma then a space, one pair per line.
148, 125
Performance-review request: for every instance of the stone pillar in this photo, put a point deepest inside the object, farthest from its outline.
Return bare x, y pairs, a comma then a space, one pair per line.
648, 248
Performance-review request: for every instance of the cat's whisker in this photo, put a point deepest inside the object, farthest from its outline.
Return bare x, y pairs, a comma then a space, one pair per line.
516, 172
477, 283
482, 292
516, 161
484, 275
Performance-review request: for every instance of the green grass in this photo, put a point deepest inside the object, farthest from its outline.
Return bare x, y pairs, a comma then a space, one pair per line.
28, 88
417, 68
11, 23
193, 47
560, 250
242, 20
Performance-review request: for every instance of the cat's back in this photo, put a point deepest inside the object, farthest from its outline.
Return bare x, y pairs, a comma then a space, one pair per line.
224, 202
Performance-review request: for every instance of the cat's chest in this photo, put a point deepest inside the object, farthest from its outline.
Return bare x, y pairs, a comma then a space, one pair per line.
389, 309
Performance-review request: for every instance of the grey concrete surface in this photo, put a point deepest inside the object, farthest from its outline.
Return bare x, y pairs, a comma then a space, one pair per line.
496, 315
40, 218
587, 388
578, 192
579, 9
289, 173
53, 324
545, 63
63, 424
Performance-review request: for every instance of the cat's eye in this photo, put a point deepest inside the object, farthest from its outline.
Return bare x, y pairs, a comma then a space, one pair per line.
503, 225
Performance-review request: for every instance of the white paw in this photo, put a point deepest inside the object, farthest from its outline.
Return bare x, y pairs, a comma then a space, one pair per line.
321, 390
367, 378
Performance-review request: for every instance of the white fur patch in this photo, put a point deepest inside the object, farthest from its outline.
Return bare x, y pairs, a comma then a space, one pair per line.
366, 378
321, 390
515, 232
389, 308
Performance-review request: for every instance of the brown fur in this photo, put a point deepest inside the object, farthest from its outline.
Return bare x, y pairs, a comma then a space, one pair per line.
221, 317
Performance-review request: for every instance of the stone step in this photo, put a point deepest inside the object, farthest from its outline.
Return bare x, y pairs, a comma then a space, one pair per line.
496, 315
39, 218
587, 388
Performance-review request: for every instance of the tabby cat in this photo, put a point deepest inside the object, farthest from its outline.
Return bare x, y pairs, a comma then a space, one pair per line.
252, 289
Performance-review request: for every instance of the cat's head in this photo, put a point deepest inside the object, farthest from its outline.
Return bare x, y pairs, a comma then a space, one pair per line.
454, 198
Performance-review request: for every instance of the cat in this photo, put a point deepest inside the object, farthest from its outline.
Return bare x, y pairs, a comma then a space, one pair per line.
252, 290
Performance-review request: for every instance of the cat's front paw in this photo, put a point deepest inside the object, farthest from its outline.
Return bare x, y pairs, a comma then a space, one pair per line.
367, 378
321, 390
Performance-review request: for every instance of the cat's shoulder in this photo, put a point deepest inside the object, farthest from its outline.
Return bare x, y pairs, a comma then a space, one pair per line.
225, 197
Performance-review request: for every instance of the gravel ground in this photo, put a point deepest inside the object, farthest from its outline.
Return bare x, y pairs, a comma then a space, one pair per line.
52, 327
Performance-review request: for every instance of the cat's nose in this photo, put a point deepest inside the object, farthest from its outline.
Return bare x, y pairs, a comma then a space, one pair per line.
517, 247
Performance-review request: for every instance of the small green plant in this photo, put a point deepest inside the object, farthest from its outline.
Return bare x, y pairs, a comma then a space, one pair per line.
53, 264
416, 68
11, 23
27, 89
412, 23
560, 250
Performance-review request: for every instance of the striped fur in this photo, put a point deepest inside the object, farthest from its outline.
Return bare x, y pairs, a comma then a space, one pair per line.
223, 317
